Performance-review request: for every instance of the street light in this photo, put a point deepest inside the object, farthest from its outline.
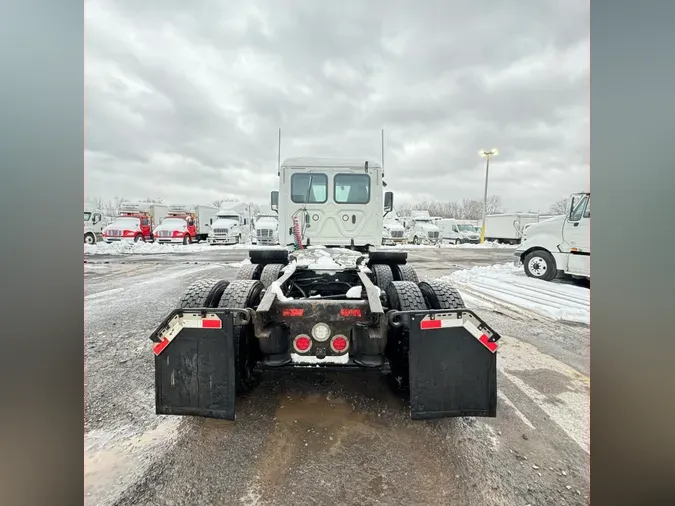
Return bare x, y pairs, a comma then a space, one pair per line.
486, 154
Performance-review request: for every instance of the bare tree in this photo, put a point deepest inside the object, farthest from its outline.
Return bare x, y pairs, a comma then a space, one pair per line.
217, 203
558, 207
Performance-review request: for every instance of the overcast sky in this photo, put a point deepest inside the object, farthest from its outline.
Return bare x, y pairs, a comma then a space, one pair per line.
184, 98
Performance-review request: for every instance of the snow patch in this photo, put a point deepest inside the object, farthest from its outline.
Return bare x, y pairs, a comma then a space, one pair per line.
507, 286
154, 248
485, 245
354, 292
306, 359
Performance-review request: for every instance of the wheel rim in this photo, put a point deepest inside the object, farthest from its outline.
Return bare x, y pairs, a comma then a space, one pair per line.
537, 266
89, 239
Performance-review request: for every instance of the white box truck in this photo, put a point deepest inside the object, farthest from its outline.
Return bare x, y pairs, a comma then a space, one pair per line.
559, 245
93, 224
185, 224
508, 227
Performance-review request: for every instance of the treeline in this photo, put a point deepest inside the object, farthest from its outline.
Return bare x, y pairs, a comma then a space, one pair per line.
467, 209
112, 207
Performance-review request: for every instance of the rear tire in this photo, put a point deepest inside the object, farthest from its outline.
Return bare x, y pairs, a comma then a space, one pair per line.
203, 293
270, 273
382, 275
241, 294
250, 271
416, 241
187, 239
441, 295
89, 239
540, 264
139, 238
405, 273
402, 296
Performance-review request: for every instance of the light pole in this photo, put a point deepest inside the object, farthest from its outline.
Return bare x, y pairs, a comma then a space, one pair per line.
486, 154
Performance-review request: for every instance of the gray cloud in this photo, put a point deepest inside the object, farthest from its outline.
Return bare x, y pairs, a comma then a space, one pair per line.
183, 99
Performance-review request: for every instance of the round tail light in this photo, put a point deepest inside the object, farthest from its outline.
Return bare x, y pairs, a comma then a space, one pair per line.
302, 343
339, 344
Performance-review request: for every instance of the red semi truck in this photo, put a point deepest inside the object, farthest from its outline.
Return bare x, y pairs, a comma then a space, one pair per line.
135, 223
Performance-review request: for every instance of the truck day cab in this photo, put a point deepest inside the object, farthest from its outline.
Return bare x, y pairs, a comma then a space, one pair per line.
266, 229
93, 225
285, 310
135, 223
185, 224
229, 227
422, 229
559, 245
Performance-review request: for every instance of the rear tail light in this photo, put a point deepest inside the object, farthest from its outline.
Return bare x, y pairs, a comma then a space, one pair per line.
302, 343
339, 343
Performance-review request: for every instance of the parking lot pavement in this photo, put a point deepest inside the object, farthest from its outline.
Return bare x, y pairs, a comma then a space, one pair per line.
338, 438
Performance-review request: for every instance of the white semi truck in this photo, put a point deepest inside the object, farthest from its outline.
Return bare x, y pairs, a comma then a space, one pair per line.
559, 245
421, 229
362, 311
231, 226
266, 229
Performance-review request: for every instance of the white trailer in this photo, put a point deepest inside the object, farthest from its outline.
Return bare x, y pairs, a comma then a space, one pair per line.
507, 227
559, 245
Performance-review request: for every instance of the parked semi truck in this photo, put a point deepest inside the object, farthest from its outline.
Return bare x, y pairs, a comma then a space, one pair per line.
560, 245
135, 222
266, 228
185, 224
421, 229
366, 310
231, 226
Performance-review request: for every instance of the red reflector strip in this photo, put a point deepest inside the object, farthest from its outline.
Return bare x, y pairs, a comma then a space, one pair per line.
485, 342
212, 324
159, 347
350, 312
430, 324
292, 312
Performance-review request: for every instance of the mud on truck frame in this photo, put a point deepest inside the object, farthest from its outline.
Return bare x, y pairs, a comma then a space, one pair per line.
278, 313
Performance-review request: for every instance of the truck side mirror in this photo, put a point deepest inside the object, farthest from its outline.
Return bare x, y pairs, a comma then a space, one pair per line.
274, 200
388, 202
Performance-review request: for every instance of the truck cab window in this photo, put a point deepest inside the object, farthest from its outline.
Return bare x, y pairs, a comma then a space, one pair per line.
578, 211
145, 222
587, 212
97, 218
351, 188
309, 188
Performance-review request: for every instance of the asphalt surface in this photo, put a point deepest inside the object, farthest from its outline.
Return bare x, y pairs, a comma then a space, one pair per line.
318, 437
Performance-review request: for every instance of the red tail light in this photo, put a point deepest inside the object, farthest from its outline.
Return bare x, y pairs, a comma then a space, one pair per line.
302, 343
339, 343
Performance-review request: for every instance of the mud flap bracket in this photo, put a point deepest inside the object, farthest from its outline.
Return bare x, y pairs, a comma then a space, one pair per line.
453, 364
195, 372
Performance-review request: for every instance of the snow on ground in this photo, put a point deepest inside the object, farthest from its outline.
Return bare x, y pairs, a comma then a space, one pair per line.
485, 245
153, 248
507, 286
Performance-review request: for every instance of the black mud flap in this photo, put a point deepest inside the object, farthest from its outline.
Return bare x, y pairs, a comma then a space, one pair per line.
194, 364
453, 364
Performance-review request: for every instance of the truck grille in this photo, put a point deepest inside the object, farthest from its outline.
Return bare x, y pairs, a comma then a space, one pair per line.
115, 233
264, 232
220, 231
397, 233
433, 235
164, 233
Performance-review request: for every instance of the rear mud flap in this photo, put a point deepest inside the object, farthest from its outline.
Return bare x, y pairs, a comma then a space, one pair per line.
453, 365
194, 364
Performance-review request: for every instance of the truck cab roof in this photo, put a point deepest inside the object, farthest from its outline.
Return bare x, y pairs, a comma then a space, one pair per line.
312, 162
